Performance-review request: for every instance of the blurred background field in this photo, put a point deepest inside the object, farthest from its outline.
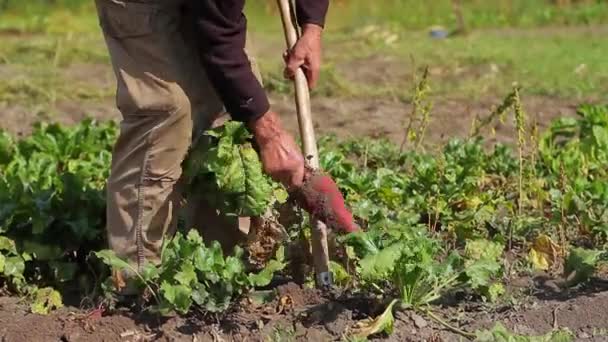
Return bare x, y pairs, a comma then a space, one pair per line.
405, 14
53, 60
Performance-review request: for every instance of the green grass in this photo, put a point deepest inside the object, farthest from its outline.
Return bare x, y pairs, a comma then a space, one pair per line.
415, 14
58, 50
557, 61
28, 17
554, 62
485, 62
40, 15
46, 88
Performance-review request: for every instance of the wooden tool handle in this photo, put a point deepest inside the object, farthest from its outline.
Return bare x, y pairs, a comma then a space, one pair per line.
309, 144
307, 133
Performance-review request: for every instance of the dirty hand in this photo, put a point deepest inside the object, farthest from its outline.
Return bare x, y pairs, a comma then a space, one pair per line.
306, 53
280, 155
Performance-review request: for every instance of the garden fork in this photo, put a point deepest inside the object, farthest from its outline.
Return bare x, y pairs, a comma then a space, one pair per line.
319, 246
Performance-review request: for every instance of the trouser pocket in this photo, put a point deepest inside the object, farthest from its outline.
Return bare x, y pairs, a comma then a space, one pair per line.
122, 20
144, 48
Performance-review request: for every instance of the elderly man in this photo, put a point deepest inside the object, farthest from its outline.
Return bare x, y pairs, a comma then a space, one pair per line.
179, 65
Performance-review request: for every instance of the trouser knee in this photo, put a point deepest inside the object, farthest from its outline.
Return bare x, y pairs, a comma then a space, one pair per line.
143, 199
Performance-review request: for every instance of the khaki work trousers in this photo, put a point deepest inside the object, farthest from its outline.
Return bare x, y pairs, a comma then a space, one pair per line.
165, 100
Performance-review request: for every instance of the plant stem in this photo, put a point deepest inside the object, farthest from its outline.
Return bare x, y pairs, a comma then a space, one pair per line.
520, 123
435, 293
365, 156
521, 143
136, 272
562, 223
420, 91
457, 8
447, 325
498, 112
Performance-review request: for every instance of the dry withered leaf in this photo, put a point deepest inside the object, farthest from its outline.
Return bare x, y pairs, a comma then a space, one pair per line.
285, 304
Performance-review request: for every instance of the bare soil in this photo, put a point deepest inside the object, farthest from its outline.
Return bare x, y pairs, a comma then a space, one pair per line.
376, 117
302, 314
344, 117
384, 118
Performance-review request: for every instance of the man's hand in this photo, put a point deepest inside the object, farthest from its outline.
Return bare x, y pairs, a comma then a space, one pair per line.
306, 53
281, 157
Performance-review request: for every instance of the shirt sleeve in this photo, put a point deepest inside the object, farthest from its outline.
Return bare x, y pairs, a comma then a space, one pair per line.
223, 28
311, 11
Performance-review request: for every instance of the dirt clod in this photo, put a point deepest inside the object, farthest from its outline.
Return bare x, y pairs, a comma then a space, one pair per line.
419, 322
300, 296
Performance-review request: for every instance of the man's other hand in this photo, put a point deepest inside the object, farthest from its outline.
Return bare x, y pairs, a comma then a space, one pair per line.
306, 53
281, 156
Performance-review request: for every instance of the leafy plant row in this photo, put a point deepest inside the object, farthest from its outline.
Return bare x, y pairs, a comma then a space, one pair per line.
434, 223
438, 221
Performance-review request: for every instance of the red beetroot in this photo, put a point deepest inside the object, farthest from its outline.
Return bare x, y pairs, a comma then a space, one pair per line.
320, 196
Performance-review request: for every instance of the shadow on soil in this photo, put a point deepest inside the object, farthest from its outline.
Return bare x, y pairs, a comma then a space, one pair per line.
549, 288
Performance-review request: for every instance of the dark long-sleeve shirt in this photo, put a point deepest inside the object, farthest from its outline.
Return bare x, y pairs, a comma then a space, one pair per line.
223, 29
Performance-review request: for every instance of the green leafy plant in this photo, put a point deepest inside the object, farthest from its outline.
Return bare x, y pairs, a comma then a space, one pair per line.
45, 300
191, 273
434, 223
482, 264
581, 264
225, 167
414, 266
420, 279
47, 176
12, 263
500, 334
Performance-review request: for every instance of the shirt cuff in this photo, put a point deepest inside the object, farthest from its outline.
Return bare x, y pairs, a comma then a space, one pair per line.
311, 12
251, 108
